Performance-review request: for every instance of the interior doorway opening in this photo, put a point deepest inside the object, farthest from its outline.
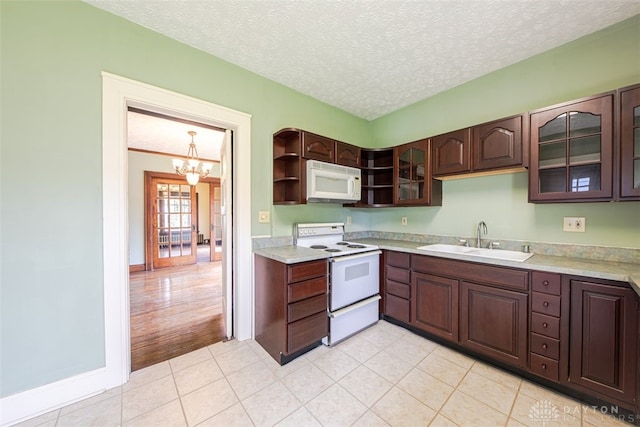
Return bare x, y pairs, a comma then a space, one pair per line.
118, 93
176, 301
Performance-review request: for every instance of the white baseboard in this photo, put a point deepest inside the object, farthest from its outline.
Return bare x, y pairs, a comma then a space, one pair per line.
32, 403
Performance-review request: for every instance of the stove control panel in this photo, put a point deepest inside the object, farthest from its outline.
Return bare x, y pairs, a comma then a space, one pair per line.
318, 229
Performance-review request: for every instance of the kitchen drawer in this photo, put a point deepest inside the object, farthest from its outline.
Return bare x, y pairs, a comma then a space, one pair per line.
398, 259
401, 290
545, 346
306, 307
398, 274
545, 304
398, 308
545, 325
306, 331
306, 289
306, 270
545, 367
549, 283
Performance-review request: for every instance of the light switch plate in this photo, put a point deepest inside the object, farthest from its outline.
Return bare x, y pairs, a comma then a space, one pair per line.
576, 224
404, 220
348, 220
264, 216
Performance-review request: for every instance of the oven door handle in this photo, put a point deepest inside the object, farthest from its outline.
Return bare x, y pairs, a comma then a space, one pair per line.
354, 306
352, 257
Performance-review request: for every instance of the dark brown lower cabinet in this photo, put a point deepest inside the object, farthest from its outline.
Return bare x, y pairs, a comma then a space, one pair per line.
493, 322
434, 302
397, 286
291, 306
604, 339
580, 333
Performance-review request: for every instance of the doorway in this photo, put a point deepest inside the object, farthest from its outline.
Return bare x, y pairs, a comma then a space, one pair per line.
183, 223
118, 93
171, 221
209, 221
176, 300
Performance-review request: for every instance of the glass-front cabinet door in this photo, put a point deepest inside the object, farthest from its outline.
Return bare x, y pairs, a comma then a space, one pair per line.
412, 173
571, 152
630, 143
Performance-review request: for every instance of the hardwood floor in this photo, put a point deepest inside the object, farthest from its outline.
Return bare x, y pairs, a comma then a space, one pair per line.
174, 311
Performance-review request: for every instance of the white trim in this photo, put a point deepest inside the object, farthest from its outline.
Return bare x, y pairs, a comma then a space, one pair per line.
22, 406
119, 93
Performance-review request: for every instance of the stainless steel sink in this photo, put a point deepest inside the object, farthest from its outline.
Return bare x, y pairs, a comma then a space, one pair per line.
478, 252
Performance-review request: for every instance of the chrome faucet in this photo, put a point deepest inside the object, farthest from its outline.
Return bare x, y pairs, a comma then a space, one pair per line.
482, 228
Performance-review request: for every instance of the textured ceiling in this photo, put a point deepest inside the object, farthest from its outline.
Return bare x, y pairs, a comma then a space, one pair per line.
372, 57
159, 135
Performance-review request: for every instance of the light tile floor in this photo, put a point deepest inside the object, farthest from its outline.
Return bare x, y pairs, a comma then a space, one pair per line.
383, 376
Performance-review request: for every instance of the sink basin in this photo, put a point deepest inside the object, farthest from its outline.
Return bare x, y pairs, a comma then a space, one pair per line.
478, 252
453, 249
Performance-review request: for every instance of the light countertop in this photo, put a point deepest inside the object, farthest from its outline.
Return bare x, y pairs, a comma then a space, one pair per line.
608, 270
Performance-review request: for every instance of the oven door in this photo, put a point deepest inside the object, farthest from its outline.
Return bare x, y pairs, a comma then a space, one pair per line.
353, 278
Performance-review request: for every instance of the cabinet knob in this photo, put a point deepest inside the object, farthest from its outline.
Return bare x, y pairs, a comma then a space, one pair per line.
546, 304
546, 283
545, 325
544, 346
544, 366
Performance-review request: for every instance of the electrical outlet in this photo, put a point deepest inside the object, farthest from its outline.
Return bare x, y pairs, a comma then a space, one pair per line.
404, 220
348, 219
263, 216
574, 224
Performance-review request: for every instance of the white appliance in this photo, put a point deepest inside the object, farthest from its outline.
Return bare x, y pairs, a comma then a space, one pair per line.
354, 278
327, 182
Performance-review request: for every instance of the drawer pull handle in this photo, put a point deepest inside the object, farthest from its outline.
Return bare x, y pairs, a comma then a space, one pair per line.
546, 283
545, 325
544, 346
544, 366
546, 304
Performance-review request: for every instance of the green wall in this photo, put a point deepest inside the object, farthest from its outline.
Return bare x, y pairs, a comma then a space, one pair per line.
603, 61
51, 311
51, 290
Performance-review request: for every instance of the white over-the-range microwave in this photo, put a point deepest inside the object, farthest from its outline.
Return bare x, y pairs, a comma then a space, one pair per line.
327, 182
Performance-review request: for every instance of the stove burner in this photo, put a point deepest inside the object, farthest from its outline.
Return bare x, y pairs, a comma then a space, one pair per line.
355, 246
333, 250
318, 247
342, 243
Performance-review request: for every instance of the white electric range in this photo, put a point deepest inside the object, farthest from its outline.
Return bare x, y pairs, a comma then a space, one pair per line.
354, 278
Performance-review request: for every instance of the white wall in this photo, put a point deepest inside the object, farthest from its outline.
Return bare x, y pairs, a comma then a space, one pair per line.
139, 163
204, 208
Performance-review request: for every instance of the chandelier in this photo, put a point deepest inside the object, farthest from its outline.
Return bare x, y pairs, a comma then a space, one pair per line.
192, 168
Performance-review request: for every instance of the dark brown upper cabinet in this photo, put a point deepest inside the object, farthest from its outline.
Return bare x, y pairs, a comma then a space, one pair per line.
412, 182
451, 152
318, 147
288, 173
499, 144
347, 154
630, 143
572, 151
377, 166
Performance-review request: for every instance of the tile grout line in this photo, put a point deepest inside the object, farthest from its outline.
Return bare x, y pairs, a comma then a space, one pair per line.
513, 405
454, 391
175, 384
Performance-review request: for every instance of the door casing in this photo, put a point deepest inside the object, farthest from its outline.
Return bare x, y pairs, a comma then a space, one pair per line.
118, 94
